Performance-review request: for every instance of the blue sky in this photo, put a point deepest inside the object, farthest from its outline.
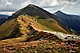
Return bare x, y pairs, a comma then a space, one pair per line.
67, 6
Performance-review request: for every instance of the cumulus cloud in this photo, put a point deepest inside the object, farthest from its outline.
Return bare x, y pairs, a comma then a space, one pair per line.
11, 4
16, 4
7, 13
47, 4
67, 3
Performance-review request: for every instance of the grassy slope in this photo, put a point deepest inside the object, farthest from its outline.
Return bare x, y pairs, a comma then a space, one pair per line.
23, 22
49, 23
40, 47
36, 24
7, 28
41, 15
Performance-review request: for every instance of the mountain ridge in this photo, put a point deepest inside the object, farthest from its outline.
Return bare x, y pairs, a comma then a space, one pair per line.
71, 20
40, 17
38, 9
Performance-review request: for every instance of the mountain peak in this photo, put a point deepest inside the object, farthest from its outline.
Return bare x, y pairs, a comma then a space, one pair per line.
59, 11
31, 5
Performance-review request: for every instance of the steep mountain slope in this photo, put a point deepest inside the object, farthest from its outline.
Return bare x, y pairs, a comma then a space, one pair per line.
72, 21
31, 15
43, 17
12, 29
3, 18
26, 32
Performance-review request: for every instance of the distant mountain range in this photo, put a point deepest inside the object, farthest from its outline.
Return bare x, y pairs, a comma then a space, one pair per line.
73, 21
3, 18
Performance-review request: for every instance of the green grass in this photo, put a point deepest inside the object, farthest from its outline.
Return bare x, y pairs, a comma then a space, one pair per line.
7, 28
48, 24
18, 28
51, 24
40, 26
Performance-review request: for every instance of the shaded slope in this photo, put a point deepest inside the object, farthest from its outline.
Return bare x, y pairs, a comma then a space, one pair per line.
41, 16
3, 18
11, 28
8, 28
72, 21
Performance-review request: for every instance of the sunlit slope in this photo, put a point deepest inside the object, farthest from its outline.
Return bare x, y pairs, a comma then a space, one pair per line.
49, 23
41, 16
18, 27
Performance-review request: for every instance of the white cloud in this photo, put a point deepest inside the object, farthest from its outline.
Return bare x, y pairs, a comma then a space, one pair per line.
7, 13
11, 4
66, 4
25, 3
8, 3
50, 5
45, 2
63, 7
54, 3
17, 4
